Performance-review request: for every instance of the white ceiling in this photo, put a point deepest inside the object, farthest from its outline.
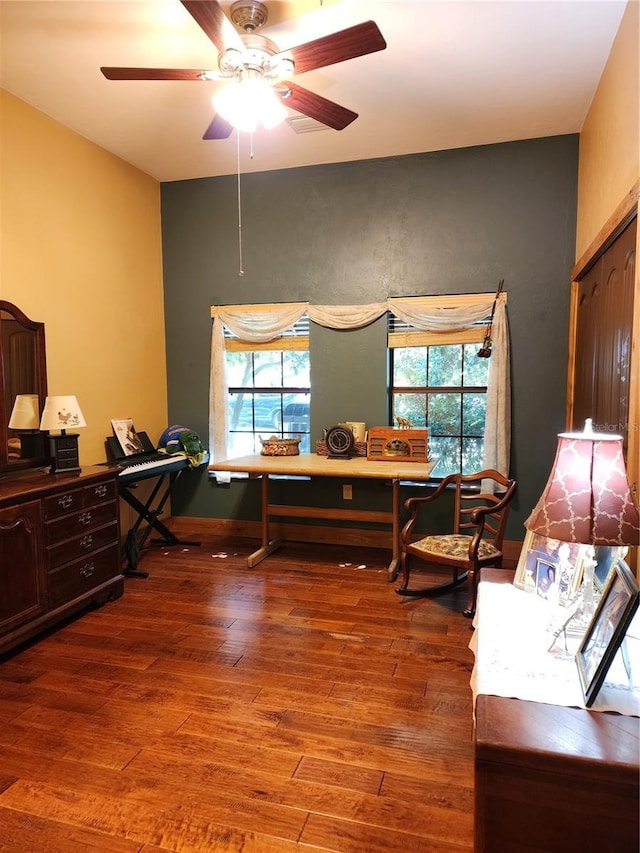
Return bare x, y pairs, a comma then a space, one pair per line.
454, 74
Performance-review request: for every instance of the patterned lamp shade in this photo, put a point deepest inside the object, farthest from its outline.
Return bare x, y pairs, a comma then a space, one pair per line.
587, 498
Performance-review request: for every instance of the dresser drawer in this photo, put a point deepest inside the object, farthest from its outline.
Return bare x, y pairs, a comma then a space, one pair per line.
82, 544
74, 499
78, 523
80, 576
66, 501
99, 493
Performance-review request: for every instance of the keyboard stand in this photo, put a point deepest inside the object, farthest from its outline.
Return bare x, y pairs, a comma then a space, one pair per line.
149, 514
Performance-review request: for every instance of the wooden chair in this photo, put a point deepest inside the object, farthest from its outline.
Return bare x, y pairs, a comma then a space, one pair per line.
479, 524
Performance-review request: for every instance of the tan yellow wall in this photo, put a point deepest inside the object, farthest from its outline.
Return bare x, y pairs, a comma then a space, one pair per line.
80, 249
609, 162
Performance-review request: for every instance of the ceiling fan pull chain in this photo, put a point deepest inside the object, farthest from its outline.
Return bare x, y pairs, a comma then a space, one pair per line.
240, 270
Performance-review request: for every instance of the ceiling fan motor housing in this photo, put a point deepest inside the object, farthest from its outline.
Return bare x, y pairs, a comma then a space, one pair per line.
259, 57
249, 15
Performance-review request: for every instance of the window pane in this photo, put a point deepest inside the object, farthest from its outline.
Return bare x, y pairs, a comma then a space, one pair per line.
410, 366
474, 410
445, 366
444, 413
241, 411
268, 369
267, 410
472, 454
242, 444
448, 451
476, 370
295, 368
413, 407
240, 369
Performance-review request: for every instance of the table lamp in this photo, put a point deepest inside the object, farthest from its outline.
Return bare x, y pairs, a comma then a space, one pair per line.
587, 498
62, 412
25, 420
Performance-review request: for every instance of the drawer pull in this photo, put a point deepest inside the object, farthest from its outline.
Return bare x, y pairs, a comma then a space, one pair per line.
86, 541
100, 491
87, 570
84, 518
65, 501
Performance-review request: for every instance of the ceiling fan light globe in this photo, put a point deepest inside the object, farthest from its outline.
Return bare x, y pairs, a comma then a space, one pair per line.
247, 103
274, 113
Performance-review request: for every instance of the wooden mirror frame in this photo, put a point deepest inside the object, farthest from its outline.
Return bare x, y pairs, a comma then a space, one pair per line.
23, 370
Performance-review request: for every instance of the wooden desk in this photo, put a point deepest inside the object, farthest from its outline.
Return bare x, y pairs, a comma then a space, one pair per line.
313, 465
554, 779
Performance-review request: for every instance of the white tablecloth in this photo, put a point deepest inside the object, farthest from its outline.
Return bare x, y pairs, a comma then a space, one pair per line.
511, 644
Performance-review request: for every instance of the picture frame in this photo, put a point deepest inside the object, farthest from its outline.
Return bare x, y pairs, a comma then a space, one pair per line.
607, 630
606, 557
550, 568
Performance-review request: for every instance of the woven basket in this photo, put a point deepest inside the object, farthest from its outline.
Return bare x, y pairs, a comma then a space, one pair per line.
280, 446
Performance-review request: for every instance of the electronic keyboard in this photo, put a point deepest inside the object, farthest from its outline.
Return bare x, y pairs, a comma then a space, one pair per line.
148, 463
140, 470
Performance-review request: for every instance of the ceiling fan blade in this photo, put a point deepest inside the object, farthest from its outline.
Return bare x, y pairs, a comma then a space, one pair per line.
211, 19
218, 129
153, 73
345, 44
319, 108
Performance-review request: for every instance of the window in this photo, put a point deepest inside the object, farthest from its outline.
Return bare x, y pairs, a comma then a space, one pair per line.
439, 382
269, 390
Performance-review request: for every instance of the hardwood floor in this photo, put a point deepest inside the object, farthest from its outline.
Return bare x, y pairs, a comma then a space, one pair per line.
299, 705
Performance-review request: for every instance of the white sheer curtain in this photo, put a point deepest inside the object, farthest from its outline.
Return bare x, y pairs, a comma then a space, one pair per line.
263, 323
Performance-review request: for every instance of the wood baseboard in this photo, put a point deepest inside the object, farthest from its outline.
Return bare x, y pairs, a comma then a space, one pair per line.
227, 527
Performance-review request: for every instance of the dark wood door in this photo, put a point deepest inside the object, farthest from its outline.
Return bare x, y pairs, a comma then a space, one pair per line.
604, 321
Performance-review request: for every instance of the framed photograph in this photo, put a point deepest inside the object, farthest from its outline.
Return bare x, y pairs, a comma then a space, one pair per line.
607, 630
549, 567
606, 557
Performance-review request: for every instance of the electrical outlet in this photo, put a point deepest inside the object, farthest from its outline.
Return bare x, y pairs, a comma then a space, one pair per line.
347, 493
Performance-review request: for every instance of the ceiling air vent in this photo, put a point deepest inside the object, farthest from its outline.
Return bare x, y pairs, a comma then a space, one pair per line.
303, 124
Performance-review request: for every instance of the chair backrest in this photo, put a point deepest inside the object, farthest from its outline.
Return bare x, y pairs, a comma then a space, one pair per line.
469, 496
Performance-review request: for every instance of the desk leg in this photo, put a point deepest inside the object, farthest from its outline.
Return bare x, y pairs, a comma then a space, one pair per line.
267, 547
394, 565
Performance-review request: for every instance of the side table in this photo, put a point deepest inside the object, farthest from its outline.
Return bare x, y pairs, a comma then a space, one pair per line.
554, 779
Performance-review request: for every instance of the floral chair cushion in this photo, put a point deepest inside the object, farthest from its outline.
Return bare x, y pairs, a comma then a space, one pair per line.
454, 545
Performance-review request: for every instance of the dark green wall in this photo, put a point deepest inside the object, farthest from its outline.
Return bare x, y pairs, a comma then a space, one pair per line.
446, 222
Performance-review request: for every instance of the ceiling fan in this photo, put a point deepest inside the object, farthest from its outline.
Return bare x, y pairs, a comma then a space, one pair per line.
249, 57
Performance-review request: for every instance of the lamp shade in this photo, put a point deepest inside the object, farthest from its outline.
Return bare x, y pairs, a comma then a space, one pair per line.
587, 498
26, 412
62, 412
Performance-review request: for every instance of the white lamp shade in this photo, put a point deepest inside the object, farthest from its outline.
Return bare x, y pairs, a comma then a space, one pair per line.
26, 412
62, 413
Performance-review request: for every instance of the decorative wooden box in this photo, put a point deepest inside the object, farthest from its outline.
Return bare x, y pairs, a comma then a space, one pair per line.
391, 444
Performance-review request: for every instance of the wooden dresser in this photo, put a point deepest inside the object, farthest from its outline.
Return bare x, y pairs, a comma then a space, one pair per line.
59, 548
